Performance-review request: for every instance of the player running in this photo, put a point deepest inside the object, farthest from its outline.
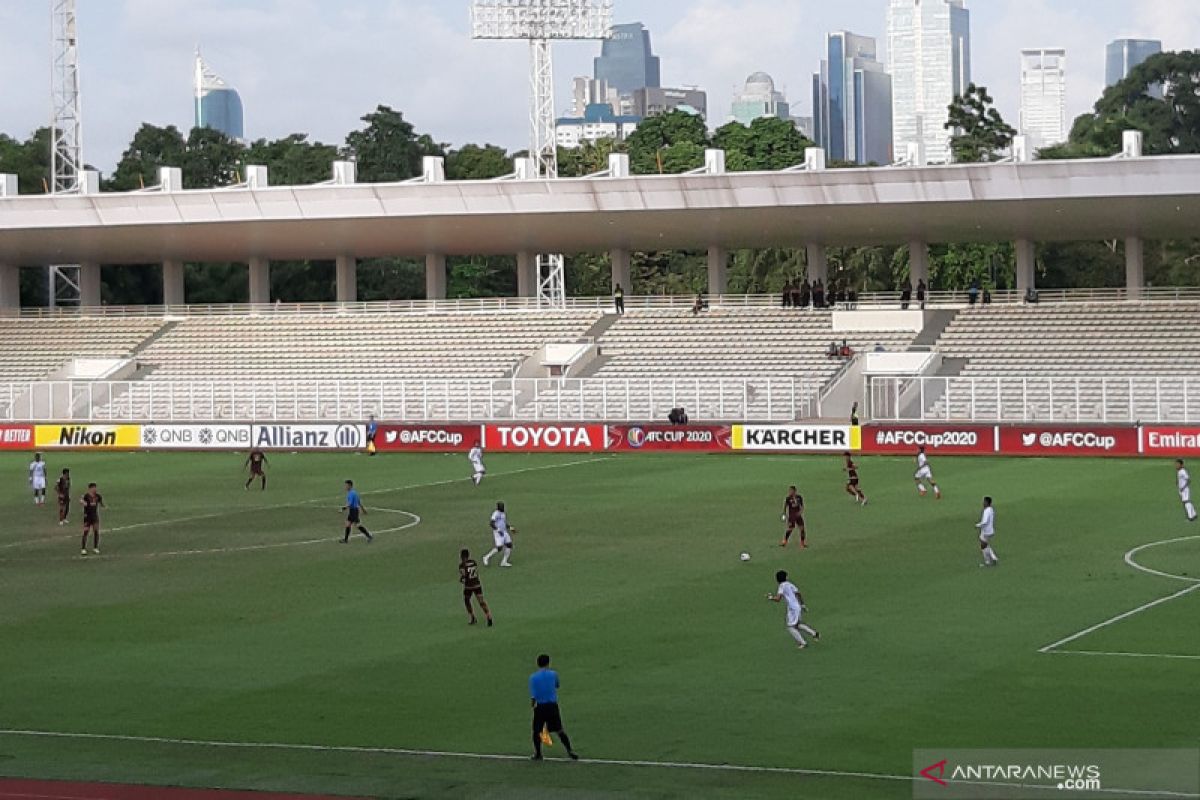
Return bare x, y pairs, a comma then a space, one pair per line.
476, 459
852, 480
92, 502
793, 515
924, 473
354, 511
37, 479
468, 576
257, 461
789, 594
1184, 482
62, 488
501, 536
987, 529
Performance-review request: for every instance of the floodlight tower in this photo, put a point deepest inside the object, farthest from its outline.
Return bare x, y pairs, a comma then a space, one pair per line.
540, 22
66, 133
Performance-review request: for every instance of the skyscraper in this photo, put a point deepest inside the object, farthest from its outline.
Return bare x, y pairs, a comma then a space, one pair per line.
218, 105
1044, 96
929, 59
1122, 55
852, 101
626, 61
759, 99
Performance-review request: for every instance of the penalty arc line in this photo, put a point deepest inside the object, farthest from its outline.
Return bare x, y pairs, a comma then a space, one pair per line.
510, 757
298, 503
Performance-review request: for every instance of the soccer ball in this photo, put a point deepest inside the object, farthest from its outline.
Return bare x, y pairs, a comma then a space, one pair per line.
744, 556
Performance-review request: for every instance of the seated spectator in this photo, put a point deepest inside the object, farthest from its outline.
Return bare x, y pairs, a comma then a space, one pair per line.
1031, 296
818, 294
844, 351
987, 297
852, 299
832, 352
678, 416
878, 347
700, 305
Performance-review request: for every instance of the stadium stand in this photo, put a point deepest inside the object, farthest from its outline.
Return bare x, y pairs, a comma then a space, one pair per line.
33, 349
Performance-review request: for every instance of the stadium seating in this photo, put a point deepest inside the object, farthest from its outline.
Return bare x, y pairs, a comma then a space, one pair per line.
32, 349
1052, 358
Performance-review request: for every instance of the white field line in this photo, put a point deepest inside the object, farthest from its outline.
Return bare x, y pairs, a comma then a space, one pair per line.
1119, 653
296, 504
511, 757
1131, 561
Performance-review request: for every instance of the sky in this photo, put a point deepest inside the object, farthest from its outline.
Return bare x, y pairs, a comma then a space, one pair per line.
316, 66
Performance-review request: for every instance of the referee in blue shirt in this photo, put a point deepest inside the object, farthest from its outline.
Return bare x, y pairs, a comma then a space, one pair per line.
354, 511
543, 692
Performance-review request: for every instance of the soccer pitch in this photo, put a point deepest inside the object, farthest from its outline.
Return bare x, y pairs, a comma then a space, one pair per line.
217, 615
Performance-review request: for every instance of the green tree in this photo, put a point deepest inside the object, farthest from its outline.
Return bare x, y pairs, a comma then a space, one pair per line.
28, 160
152, 147
767, 143
586, 159
473, 162
979, 131
293, 160
668, 143
388, 148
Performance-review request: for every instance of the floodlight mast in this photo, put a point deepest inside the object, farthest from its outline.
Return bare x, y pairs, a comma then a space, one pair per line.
540, 22
66, 134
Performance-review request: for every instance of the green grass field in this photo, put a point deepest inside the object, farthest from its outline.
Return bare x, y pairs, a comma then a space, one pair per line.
221, 615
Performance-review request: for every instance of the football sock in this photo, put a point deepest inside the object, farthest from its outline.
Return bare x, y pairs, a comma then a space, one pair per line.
1191, 510
991, 554
566, 740
346, 538
504, 560
807, 629
365, 532
83, 544
537, 743
937, 491
799, 637
491, 554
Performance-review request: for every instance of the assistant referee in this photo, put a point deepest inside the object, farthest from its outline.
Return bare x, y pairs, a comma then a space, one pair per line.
543, 693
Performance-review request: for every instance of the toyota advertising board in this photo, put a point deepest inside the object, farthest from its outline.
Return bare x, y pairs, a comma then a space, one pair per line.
1078, 440
547, 438
682, 438
196, 437
1159, 440
309, 437
87, 437
16, 437
942, 439
428, 438
796, 438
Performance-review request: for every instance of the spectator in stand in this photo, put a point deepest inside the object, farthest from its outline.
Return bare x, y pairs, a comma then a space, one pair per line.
854, 414
678, 416
619, 299
852, 298
1031, 296
844, 351
987, 296
818, 294
832, 352
700, 305
973, 293
879, 348
905, 296
795, 295
788, 288
921, 293
805, 294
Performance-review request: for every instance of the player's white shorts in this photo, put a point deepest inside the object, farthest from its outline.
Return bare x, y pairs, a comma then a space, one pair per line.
1185, 494
986, 538
501, 539
924, 473
793, 616
478, 467
39, 484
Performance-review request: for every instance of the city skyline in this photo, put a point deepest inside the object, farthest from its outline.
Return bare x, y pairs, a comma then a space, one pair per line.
136, 58
1044, 96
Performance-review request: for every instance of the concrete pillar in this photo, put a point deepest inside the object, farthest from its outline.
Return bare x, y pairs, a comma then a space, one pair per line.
718, 269
260, 281
1135, 267
89, 285
347, 279
435, 277
527, 274
1026, 271
172, 280
10, 288
620, 271
918, 263
818, 268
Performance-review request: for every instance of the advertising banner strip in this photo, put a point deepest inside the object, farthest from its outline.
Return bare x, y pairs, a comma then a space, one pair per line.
662, 438
1073, 440
309, 437
88, 437
944, 439
195, 437
428, 438
797, 438
1160, 440
16, 437
544, 438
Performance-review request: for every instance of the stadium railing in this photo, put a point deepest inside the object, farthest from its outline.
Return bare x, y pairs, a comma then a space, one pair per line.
753, 399
871, 300
1102, 400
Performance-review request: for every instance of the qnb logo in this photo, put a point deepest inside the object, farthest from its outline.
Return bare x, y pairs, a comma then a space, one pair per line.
1081, 440
149, 435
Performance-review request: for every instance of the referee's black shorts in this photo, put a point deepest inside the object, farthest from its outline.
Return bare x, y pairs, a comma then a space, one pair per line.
545, 715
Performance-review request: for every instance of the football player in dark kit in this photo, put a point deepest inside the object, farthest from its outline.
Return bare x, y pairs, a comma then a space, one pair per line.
793, 514
257, 461
92, 502
63, 489
852, 479
468, 576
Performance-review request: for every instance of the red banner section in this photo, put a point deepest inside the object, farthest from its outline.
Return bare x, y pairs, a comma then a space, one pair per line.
1079, 440
946, 439
16, 437
654, 438
437, 438
547, 438
1166, 441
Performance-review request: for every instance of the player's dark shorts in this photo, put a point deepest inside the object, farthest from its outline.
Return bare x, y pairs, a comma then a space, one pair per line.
91, 521
352, 515
545, 715
64, 502
852, 482
795, 520
472, 591
256, 469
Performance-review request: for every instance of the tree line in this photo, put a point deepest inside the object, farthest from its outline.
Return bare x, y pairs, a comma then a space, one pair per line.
1161, 98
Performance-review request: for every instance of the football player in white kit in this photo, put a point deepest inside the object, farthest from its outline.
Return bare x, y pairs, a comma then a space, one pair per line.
1184, 482
476, 459
987, 529
924, 473
790, 595
501, 537
37, 479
